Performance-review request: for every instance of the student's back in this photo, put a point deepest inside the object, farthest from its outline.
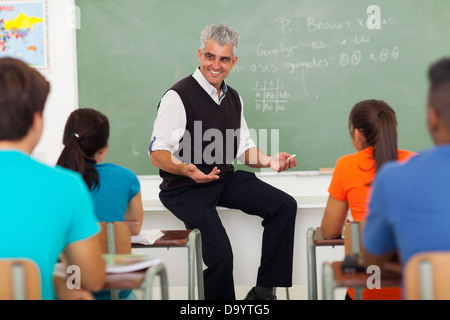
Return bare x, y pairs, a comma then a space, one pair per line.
42, 211
373, 130
409, 208
115, 190
117, 187
414, 218
45, 213
352, 179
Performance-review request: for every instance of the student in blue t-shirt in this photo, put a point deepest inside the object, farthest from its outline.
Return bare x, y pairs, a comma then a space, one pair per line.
114, 189
45, 213
409, 207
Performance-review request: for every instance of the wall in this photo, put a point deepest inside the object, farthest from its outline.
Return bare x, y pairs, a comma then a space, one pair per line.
302, 66
62, 75
309, 188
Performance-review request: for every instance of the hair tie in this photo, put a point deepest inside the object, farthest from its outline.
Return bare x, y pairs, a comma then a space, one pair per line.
379, 114
76, 135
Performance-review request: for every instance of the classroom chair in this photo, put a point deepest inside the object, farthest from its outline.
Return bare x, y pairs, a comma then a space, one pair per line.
426, 276
20, 279
314, 238
334, 276
190, 239
115, 238
352, 237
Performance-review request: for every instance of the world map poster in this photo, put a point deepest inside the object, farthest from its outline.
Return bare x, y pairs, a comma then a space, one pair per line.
23, 32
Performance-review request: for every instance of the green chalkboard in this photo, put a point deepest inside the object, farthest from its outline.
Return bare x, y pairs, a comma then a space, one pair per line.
302, 65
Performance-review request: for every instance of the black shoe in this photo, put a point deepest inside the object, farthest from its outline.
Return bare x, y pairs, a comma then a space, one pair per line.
251, 295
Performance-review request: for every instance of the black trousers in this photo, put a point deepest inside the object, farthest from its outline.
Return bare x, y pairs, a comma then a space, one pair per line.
196, 207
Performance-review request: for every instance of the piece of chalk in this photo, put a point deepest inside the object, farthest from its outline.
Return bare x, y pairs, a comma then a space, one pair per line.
291, 157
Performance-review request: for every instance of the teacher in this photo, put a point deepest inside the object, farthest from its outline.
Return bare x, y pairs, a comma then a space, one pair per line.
198, 132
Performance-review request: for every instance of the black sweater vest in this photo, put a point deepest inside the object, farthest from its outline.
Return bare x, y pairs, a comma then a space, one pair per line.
212, 134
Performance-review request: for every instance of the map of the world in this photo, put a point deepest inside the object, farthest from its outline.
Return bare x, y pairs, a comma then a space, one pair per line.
23, 31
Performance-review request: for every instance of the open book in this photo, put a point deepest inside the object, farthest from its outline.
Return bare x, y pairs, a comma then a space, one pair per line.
120, 263
147, 237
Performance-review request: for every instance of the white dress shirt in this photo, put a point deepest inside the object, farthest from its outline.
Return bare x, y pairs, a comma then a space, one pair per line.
170, 123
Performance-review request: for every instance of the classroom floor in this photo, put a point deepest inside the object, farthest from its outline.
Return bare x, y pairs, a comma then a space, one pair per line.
298, 292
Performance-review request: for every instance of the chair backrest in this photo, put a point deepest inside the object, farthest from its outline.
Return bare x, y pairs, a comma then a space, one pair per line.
426, 276
115, 237
352, 237
20, 279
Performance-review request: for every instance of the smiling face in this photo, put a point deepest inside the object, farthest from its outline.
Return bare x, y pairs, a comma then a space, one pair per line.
216, 62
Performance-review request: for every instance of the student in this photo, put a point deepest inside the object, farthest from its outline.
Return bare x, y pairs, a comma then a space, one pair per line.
196, 179
373, 131
114, 189
409, 207
44, 211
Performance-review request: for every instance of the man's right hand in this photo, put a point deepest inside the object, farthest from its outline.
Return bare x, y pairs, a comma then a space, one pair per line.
198, 176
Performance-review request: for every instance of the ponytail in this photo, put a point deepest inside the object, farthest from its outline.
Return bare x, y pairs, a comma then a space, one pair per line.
74, 158
386, 144
376, 120
86, 132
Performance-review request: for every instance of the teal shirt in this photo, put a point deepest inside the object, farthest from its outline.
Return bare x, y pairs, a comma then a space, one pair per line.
42, 210
118, 185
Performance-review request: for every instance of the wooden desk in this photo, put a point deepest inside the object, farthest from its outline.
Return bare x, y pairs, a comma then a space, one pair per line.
190, 239
333, 277
124, 280
315, 238
141, 279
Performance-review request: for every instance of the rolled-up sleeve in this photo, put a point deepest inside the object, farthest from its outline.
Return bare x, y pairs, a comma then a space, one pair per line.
170, 123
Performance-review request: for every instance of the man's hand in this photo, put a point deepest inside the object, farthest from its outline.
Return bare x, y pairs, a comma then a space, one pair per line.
198, 176
280, 162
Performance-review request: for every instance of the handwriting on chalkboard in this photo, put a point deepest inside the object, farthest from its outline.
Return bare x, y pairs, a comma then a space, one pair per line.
306, 45
271, 96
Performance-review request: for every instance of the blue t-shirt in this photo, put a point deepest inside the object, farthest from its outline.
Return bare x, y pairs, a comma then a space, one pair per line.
42, 210
410, 209
118, 185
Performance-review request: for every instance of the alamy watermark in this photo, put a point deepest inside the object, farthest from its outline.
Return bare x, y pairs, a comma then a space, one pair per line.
213, 146
374, 18
374, 280
74, 279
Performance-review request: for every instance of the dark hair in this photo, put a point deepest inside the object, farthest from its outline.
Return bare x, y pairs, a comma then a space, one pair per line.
376, 120
86, 132
439, 93
23, 92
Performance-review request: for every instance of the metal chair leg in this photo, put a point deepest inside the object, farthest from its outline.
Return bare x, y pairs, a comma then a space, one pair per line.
328, 283
157, 270
18, 276
311, 265
195, 258
426, 280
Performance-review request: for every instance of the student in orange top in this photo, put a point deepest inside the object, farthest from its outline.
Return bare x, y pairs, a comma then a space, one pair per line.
373, 131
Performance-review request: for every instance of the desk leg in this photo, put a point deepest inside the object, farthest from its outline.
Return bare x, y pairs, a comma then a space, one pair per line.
195, 258
311, 265
191, 275
157, 270
115, 294
328, 282
199, 265
358, 293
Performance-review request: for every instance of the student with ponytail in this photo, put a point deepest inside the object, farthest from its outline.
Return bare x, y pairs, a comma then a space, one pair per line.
114, 189
373, 131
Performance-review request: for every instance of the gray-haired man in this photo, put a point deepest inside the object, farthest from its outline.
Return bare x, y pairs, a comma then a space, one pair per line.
199, 130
